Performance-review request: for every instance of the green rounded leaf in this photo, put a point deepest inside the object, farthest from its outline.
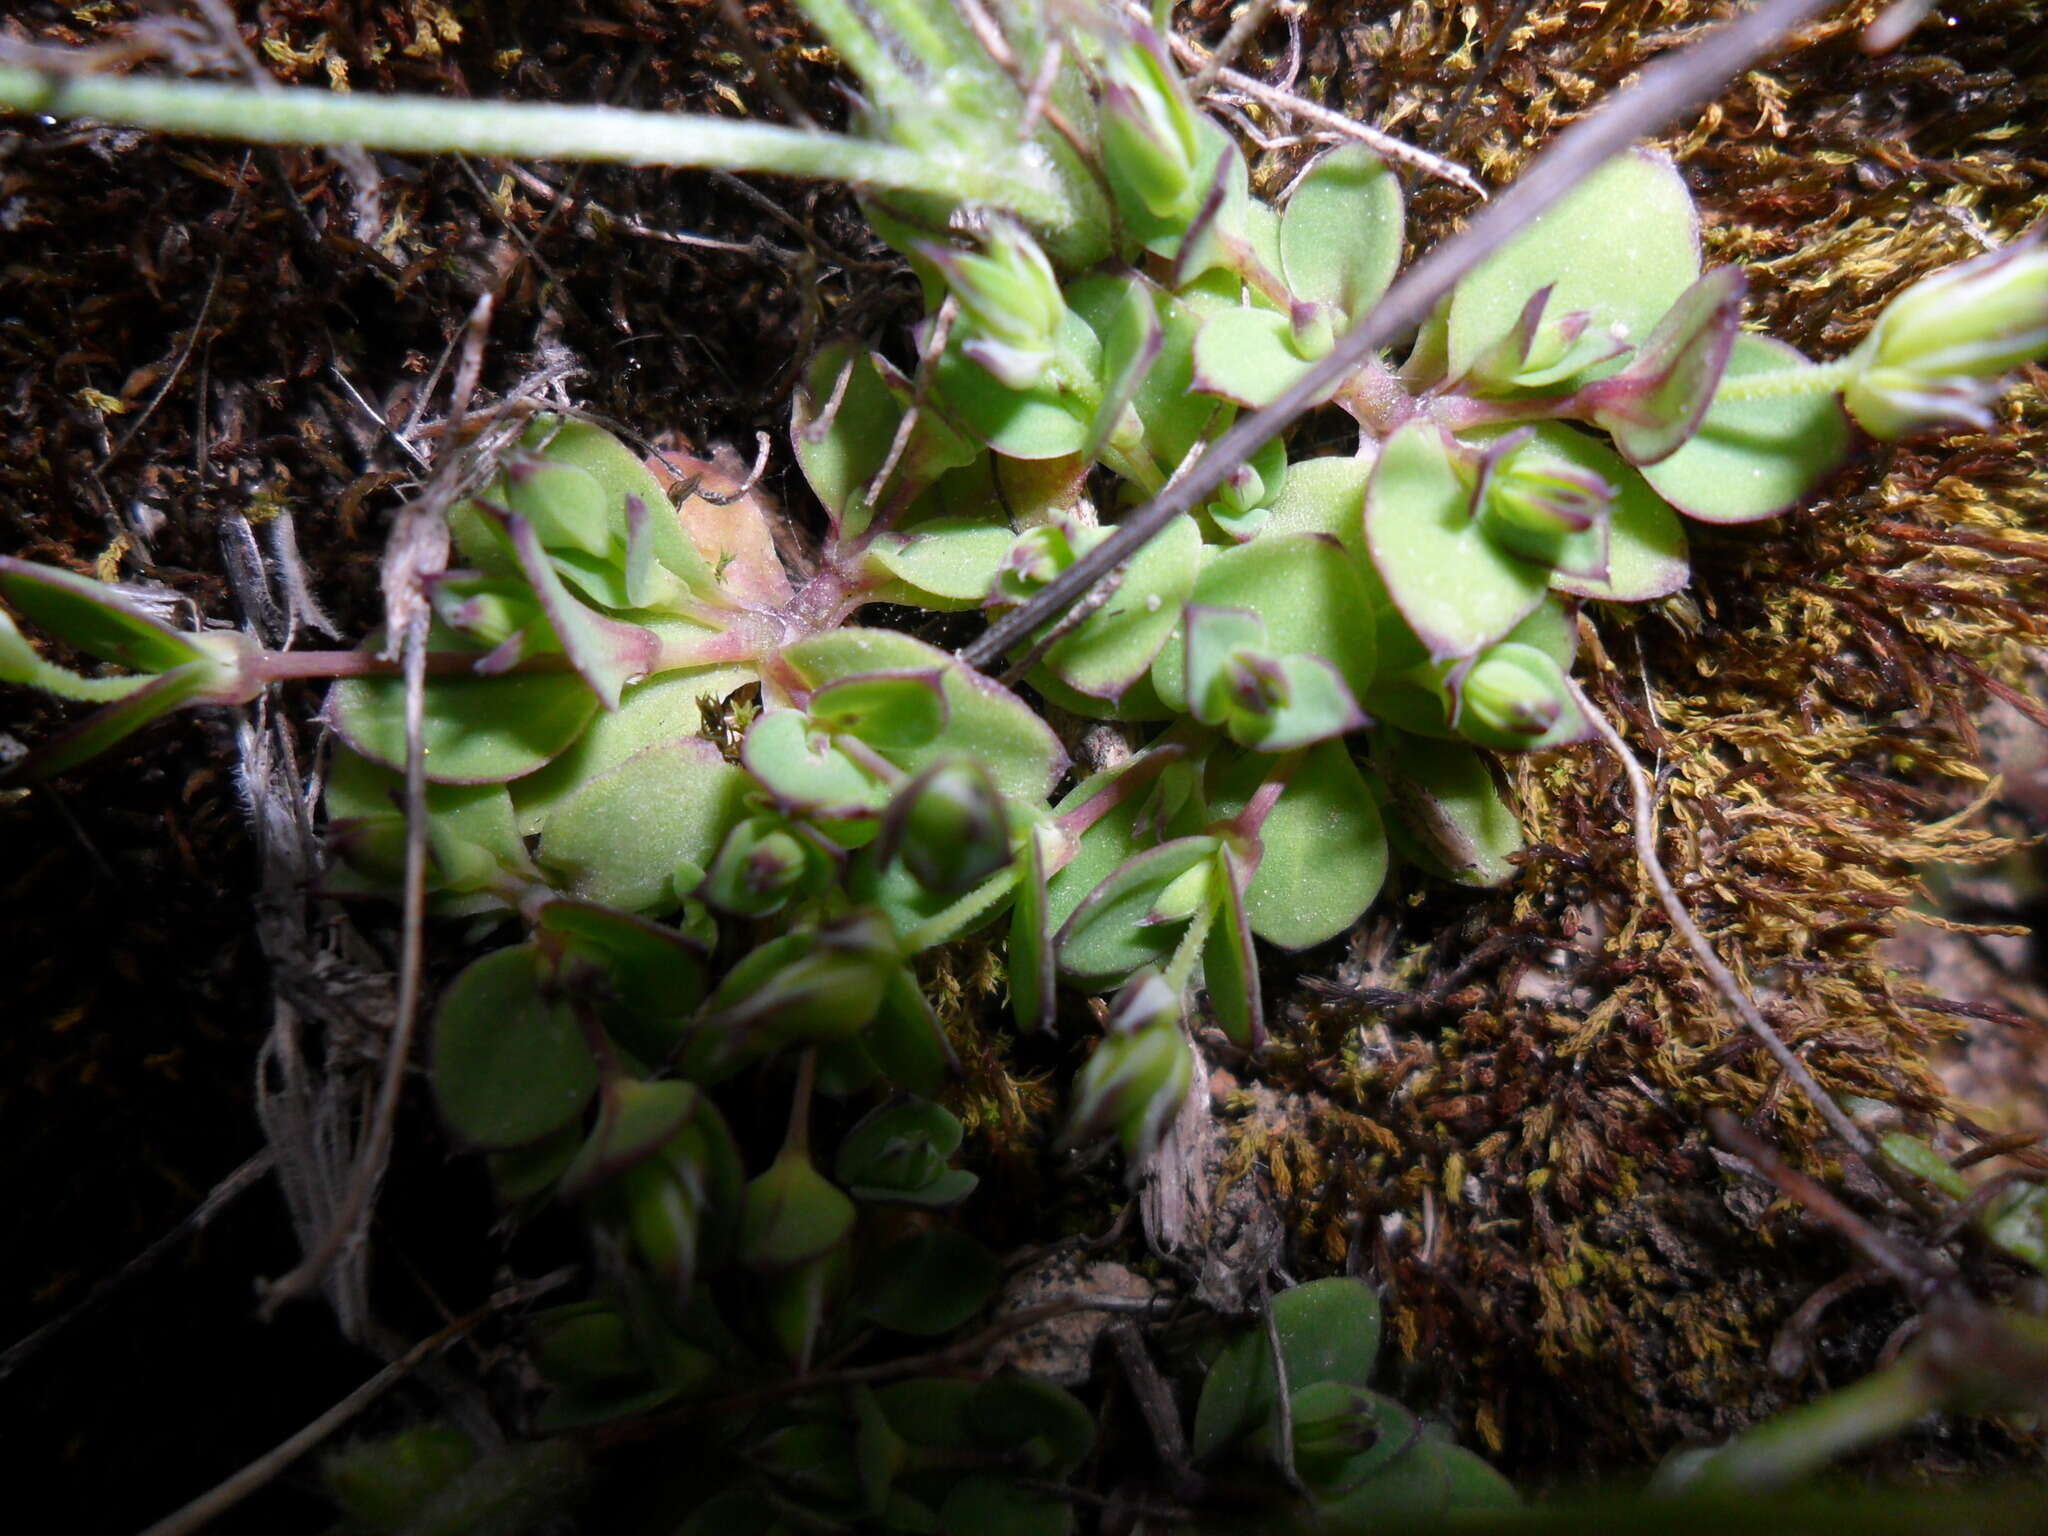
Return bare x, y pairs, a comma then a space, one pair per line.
1324, 495
1340, 235
1029, 957
1041, 1424
989, 1505
1044, 422
1173, 414
618, 838
473, 842
842, 425
585, 1343
1646, 552
1753, 459
1230, 966
793, 1214
1457, 589
1325, 852
1473, 1483
890, 711
820, 985
635, 1120
1448, 813
897, 1155
949, 827
803, 770
566, 507
1622, 245
1248, 356
984, 719
654, 977
1514, 698
94, 617
477, 730
907, 1041
1329, 1332
662, 709
1113, 931
1657, 402
1412, 1489
509, 1066
1310, 595
945, 564
930, 1283
1111, 649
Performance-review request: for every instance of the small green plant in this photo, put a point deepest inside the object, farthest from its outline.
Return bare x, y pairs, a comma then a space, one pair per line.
1313, 666
1357, 1457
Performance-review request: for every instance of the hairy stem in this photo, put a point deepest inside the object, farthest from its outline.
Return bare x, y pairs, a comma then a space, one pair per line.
1820, 379
954, 920
521, 130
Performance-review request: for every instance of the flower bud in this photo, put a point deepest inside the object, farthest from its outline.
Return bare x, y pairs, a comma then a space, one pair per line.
1530, 504
1512, 697
1011, 301
1134, 1083
1150, 150
1039, 555
1253, 683
1334, 1425
1939, 347
762, 863
1244, 502
898, 1155
1505, 698
949, 827
793, 1214
1183, 895
482, 609
665, 1199
1541, 349
1312, 331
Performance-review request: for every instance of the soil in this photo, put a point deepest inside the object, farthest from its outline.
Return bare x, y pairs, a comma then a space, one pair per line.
1492, 1108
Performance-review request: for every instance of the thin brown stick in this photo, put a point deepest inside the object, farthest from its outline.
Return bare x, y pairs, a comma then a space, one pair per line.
218, 1199
1666, 90
1242, 30
1069, 621
1916, 1271
230, 1491
1284, 101
418, 548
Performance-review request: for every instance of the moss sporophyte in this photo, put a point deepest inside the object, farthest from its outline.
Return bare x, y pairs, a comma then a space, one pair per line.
1314, 663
